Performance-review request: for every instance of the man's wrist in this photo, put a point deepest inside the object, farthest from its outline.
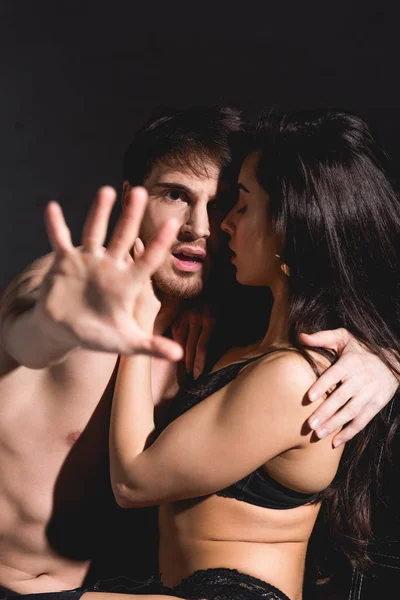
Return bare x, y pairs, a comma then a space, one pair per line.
56, 334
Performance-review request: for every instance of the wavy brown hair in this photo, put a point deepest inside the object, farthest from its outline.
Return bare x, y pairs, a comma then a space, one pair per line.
335, 206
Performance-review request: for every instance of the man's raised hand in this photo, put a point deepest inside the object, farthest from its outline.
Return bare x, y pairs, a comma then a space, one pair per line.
88, 297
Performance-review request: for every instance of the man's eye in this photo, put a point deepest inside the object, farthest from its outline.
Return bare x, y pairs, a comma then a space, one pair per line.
174, 195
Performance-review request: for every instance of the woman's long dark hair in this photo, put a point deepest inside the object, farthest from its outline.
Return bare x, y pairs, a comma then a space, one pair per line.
333, 203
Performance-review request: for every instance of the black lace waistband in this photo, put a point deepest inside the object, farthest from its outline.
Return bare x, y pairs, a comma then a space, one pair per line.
224, 584
210, 584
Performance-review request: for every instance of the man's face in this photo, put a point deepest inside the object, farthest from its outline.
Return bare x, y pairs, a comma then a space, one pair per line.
190, 198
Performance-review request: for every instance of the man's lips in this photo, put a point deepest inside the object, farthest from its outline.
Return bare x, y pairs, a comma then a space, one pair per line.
187, 258
190, 252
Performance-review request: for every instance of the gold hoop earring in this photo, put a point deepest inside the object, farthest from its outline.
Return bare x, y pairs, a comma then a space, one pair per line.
284, 267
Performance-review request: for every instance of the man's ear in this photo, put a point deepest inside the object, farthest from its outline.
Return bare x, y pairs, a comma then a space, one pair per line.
126, 188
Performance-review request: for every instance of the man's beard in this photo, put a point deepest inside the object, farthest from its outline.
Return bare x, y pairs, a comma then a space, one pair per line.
183, 287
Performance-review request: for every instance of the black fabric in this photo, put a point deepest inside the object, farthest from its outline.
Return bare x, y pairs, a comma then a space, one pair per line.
257, 488
5, 592
207, 584
74, 594
261, 489
126, 585
120, 584
223, 584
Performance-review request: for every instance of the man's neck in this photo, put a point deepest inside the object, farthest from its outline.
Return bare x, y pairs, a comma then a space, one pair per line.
170, 309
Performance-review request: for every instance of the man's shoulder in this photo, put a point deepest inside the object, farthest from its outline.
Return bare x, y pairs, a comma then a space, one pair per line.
27, 279
39, 265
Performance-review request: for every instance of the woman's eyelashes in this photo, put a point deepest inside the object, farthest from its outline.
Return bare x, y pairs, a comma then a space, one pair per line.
241, 210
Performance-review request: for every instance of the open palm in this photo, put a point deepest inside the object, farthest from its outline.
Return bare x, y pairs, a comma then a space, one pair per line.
91, 291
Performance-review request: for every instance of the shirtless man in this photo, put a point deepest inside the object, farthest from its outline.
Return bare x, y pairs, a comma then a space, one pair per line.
59, 355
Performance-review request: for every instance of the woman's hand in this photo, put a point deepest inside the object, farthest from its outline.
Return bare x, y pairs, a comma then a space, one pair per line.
192, 330
147, 304
366, 386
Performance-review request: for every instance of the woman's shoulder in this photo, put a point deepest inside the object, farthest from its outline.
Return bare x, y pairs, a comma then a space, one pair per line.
284, 372
289, 361
275, 387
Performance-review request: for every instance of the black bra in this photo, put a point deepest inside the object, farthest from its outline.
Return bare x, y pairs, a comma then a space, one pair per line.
258, 487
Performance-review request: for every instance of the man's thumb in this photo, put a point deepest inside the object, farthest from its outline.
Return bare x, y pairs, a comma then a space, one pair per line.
325, 339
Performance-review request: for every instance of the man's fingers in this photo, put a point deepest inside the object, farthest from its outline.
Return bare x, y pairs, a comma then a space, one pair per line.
126, 338
335, 339
355, 426
331, 405
96, 224
328, 380
57, 229
158, 248
138, 247
336, 412
162, 347
127, 227
132, 340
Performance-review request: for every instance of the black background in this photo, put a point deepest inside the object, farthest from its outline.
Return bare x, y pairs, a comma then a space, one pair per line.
77, 79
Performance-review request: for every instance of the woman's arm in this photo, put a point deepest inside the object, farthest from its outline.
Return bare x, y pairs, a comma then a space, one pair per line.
256, 417
132, 418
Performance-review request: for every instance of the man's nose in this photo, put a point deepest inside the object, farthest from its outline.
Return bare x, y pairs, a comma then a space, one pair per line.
197, 223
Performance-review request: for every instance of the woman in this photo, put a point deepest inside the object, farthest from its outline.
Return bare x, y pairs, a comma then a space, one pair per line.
237, 472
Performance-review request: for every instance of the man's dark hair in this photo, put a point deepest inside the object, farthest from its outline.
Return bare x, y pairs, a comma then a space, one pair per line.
189, 139
338, 215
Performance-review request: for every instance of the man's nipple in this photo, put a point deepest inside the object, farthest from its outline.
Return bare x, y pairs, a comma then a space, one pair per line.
74, 437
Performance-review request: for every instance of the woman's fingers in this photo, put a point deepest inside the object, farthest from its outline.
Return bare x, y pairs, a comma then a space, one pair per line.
180, 329
192, 340
192, 331
202, 345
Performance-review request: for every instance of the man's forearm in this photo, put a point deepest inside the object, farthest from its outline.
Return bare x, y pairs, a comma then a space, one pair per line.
31, 343
26, 335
